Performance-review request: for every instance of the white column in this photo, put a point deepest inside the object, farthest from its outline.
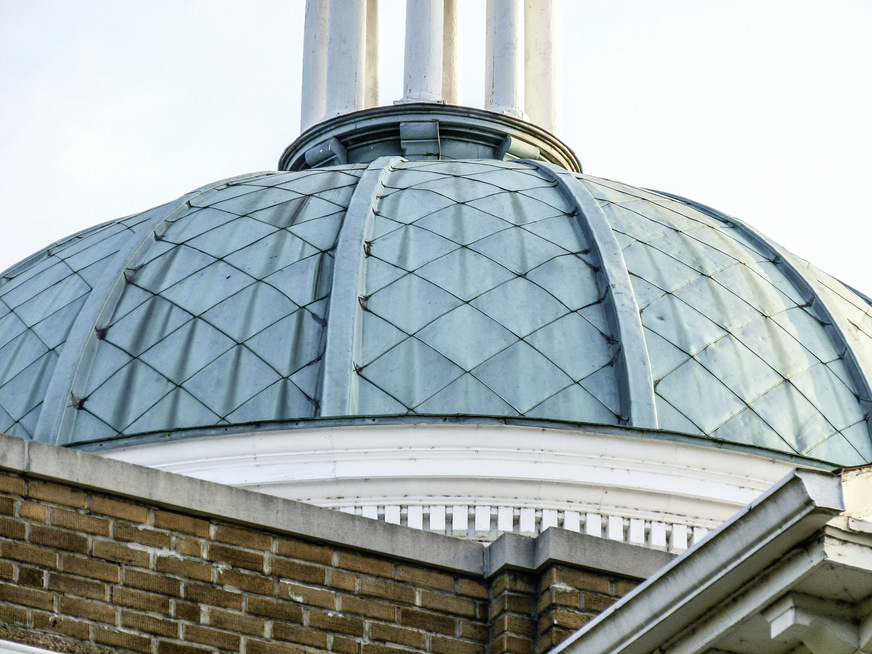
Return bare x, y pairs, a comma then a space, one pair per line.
312, 106
541, 66
423, 65
451, 53
504, 58
371, 73
346, 57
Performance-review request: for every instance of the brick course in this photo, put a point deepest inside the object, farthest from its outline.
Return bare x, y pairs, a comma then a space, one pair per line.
87, 569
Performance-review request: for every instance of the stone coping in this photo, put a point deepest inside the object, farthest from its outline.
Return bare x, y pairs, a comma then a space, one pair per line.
209, 499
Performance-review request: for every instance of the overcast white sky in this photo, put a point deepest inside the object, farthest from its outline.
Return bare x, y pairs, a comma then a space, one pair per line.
760, 108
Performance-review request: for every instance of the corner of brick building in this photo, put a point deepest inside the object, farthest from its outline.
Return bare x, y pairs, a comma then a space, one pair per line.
91, 569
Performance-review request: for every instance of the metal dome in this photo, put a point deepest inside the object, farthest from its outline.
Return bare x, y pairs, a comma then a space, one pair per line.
438, 287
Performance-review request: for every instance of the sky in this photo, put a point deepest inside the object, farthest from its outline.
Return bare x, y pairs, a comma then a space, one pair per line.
760, 108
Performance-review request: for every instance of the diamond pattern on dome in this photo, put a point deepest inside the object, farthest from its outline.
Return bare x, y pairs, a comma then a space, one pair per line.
40, 299
227, 324
463, 282
735, 349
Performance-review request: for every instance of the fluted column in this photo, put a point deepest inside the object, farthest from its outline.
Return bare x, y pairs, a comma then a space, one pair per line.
423, 65
314, 96
371, 67
504, 57
451, 52
541, 67
346, 57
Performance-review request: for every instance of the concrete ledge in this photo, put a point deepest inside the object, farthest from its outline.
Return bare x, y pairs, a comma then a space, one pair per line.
559, 546
212, 500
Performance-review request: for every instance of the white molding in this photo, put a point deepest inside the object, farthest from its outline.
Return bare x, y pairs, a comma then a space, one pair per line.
624, 487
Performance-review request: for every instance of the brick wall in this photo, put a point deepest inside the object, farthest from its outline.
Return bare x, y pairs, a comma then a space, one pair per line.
82, 570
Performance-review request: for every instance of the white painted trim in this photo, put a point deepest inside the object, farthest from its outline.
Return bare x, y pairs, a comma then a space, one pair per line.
623, 487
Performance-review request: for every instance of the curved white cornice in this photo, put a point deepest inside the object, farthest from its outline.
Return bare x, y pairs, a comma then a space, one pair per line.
480, 480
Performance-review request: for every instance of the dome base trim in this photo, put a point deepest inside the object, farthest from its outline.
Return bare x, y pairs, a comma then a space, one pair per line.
503, 478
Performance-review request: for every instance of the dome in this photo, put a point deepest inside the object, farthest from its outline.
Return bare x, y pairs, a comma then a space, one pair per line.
421, 288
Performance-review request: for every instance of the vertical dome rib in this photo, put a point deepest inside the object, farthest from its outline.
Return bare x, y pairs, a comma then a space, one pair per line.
638, 401
337, 381
808, 287
55, 420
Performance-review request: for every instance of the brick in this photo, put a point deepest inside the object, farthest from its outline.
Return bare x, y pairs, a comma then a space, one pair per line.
189, 546
560, 617
387, 590
345, 645
298, 571
512, 603
243, 538
111, 551
12, 484
579, 579
38, 599
367, 608
261, 647
447, 604
559, 597
368, 564
622, 587
445, 645
472, 588
80, 522
13, 615
149, 624
223, 640
137, 599
62, 540
183, 523
477, 631
7, 505
168, 647
150, 581
128, 532
119, 509
308, 596
389, 633
514, 624
7, 570
89, 567
551, 639
517, 582
297, 549
336, 623
273, 608
236, 557
342, 580
33, 511
60, 625
300, 635
432, 622
87, 609
239, 622
183, 568
189, 611
27, 553
212, 596
71, 585
249, 583
58, 494
510, 643
372, 648
122, 640
428, 578
596, 603
33, 577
